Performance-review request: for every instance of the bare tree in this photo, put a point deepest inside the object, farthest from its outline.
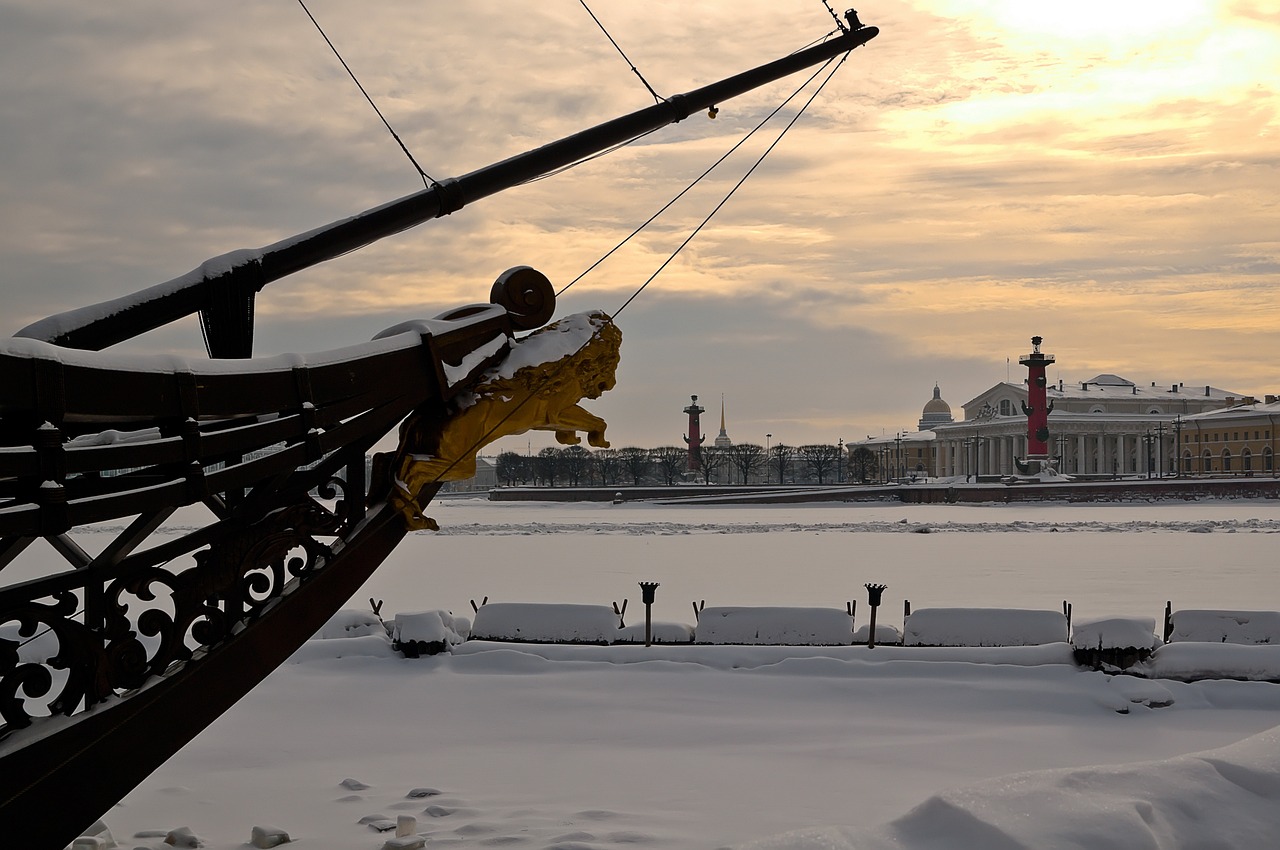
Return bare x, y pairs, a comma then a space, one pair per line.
710, 460
575, 462
747, 458
511, 467
608, 464
672, 461
780, 458
636, 461
862, 464
547, 464
821, 460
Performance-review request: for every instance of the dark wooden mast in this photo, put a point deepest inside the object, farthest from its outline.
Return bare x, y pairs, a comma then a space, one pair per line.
264, 444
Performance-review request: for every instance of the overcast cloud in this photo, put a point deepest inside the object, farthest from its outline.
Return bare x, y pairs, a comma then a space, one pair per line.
1100, 174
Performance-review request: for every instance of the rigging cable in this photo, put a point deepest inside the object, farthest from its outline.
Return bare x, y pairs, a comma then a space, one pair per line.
656, 97
696, 180
839, 23
427, 179
736, 186
610, 320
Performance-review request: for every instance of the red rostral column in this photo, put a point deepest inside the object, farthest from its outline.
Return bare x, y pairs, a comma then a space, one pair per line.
694, 438
1037, 407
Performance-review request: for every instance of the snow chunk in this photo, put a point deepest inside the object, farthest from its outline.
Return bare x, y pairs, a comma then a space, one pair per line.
545, 623
774, 626
1243, 627
984, 627
183, 837
265, 837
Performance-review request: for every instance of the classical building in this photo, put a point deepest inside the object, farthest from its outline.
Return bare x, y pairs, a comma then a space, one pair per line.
1239, 440
1104, 426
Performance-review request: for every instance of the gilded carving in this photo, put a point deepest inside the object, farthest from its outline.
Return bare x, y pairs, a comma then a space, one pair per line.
520, 394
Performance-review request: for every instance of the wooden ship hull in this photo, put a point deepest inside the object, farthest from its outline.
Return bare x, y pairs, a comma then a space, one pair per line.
158, 635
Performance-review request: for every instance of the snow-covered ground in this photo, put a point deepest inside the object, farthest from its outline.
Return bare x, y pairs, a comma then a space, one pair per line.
574, 747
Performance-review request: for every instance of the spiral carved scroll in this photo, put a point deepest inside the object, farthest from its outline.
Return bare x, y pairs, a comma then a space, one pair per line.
527, 296
232, 582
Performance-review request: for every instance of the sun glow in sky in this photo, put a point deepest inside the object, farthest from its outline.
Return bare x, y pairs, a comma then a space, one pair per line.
1101, 174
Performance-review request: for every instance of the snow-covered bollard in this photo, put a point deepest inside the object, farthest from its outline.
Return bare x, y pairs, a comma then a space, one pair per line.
1114, 644
264, 837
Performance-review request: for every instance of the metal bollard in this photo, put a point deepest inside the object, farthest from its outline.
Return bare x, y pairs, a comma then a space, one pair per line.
647, 590
874, 594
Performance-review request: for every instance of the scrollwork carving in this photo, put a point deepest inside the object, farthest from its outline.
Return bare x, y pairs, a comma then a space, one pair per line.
231, 581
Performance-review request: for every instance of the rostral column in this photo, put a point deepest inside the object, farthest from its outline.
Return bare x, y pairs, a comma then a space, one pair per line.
694, 438
1037, 407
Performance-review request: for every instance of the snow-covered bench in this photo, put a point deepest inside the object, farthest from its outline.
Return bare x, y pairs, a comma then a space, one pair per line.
427, 632
1248, 628
1118, 642
544, 622
983, 627
774, 626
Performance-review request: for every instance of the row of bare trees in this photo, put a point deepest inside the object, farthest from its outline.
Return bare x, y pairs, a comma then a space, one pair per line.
744, 463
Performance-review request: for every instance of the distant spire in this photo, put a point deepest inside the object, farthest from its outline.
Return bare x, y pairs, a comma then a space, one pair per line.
722, 440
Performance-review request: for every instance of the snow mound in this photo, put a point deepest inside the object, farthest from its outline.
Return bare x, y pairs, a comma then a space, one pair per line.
349, 623
774, 626
545, 622
1227, 798
365, 646
983, 627
885, 634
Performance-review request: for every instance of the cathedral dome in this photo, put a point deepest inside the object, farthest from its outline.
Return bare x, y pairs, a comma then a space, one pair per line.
936, 411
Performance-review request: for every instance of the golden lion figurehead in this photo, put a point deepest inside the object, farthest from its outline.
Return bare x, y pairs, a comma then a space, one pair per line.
536, 387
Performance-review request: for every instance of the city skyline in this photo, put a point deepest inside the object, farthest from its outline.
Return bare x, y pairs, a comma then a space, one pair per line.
979, 173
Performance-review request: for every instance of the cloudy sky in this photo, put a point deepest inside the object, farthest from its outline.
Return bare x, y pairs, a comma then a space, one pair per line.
1102, 174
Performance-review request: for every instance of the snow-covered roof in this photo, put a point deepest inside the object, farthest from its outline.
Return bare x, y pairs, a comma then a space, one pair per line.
1239, 411
1114, 388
